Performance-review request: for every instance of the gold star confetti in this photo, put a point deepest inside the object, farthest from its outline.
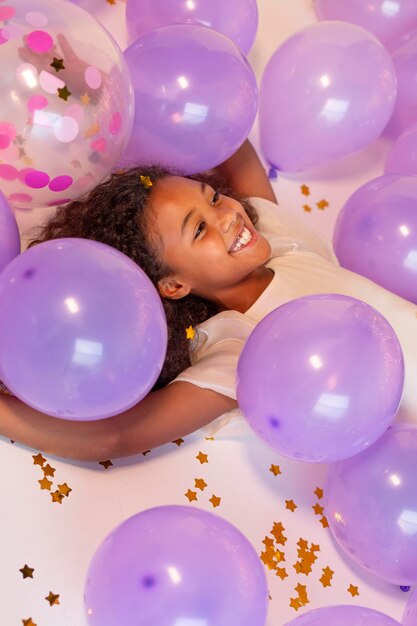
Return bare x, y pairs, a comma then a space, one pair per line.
48, 470
111, 2
190, 331
268, 542
106, 464
28, 622
92, 130
275, 469
295, 603
307, 208
315, 547
57, 497
209, 438
146, 181
64, 489
277, 532
58, 64
353, 591
302, 544
85, 99
200, 483
324, 522
215, 500
63, 93
305, 190
52, 598
318, 509
281, 572
319, 493
326, 578
202, 458
45, 483
323, 204
290, 505
38, 459
191, 495
27, 572
178, 442
144, 453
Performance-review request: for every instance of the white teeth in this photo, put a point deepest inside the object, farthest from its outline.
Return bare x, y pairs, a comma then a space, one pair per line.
244, 238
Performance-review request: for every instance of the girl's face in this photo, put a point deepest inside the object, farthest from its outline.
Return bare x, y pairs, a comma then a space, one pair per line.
207, 239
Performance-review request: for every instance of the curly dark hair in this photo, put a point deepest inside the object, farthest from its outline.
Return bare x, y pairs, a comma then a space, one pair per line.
115, 213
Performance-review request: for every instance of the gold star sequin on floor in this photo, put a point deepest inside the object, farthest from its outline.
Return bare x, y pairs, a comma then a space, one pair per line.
215, 500
106, 464
307, 208
327, 576
200, 483
48, 470
318, 493
305, 190
178, 442
38, 459
58, 64
57, 497
45, 483
52, 598
203, 458
63, 93
318, 509
290, 505
322, 204
64, 490
28, 622
27, 572
191, 495
353, 590
275, 469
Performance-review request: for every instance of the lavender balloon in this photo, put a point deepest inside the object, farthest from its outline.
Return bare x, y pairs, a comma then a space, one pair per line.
405, 62
410, 614
9, 234
376, 234
386, 20
402, 158
237, 19
82, 329
328, 91
196, 98
320, 378
176, 565
371, 506
343, 616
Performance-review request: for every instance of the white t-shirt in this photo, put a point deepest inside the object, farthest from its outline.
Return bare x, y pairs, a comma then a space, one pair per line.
303, 264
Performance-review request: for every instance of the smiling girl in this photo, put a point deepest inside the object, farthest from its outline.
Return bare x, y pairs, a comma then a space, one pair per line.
221, 260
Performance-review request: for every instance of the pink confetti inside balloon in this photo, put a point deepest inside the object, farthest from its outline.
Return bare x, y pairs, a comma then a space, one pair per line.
65, 85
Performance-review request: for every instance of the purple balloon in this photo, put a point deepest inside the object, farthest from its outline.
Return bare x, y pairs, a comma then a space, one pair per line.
320, 378
402, 158
82, 329
328, 91
386, 20
405, 62
410, 614
371, 506
376, 234
176, 565
196, 98
237, 19
343, 615
9, 234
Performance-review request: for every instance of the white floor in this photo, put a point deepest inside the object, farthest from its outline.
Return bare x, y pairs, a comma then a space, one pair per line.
58, 539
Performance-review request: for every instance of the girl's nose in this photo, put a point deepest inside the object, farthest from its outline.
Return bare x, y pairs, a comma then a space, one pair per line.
228, 219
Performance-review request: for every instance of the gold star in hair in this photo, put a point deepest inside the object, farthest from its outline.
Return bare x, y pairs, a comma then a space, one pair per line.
146, 181
190, 331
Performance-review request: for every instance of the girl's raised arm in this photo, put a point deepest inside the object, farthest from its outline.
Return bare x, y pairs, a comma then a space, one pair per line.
246, 174
164, 415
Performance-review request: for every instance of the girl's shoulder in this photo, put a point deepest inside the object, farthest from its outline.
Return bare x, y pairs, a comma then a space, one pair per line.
287, 232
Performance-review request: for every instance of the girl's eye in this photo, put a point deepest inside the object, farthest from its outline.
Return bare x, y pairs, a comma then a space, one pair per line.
215, 198
200, 228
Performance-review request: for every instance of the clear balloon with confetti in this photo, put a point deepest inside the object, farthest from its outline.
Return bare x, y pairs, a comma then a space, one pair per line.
67, 102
